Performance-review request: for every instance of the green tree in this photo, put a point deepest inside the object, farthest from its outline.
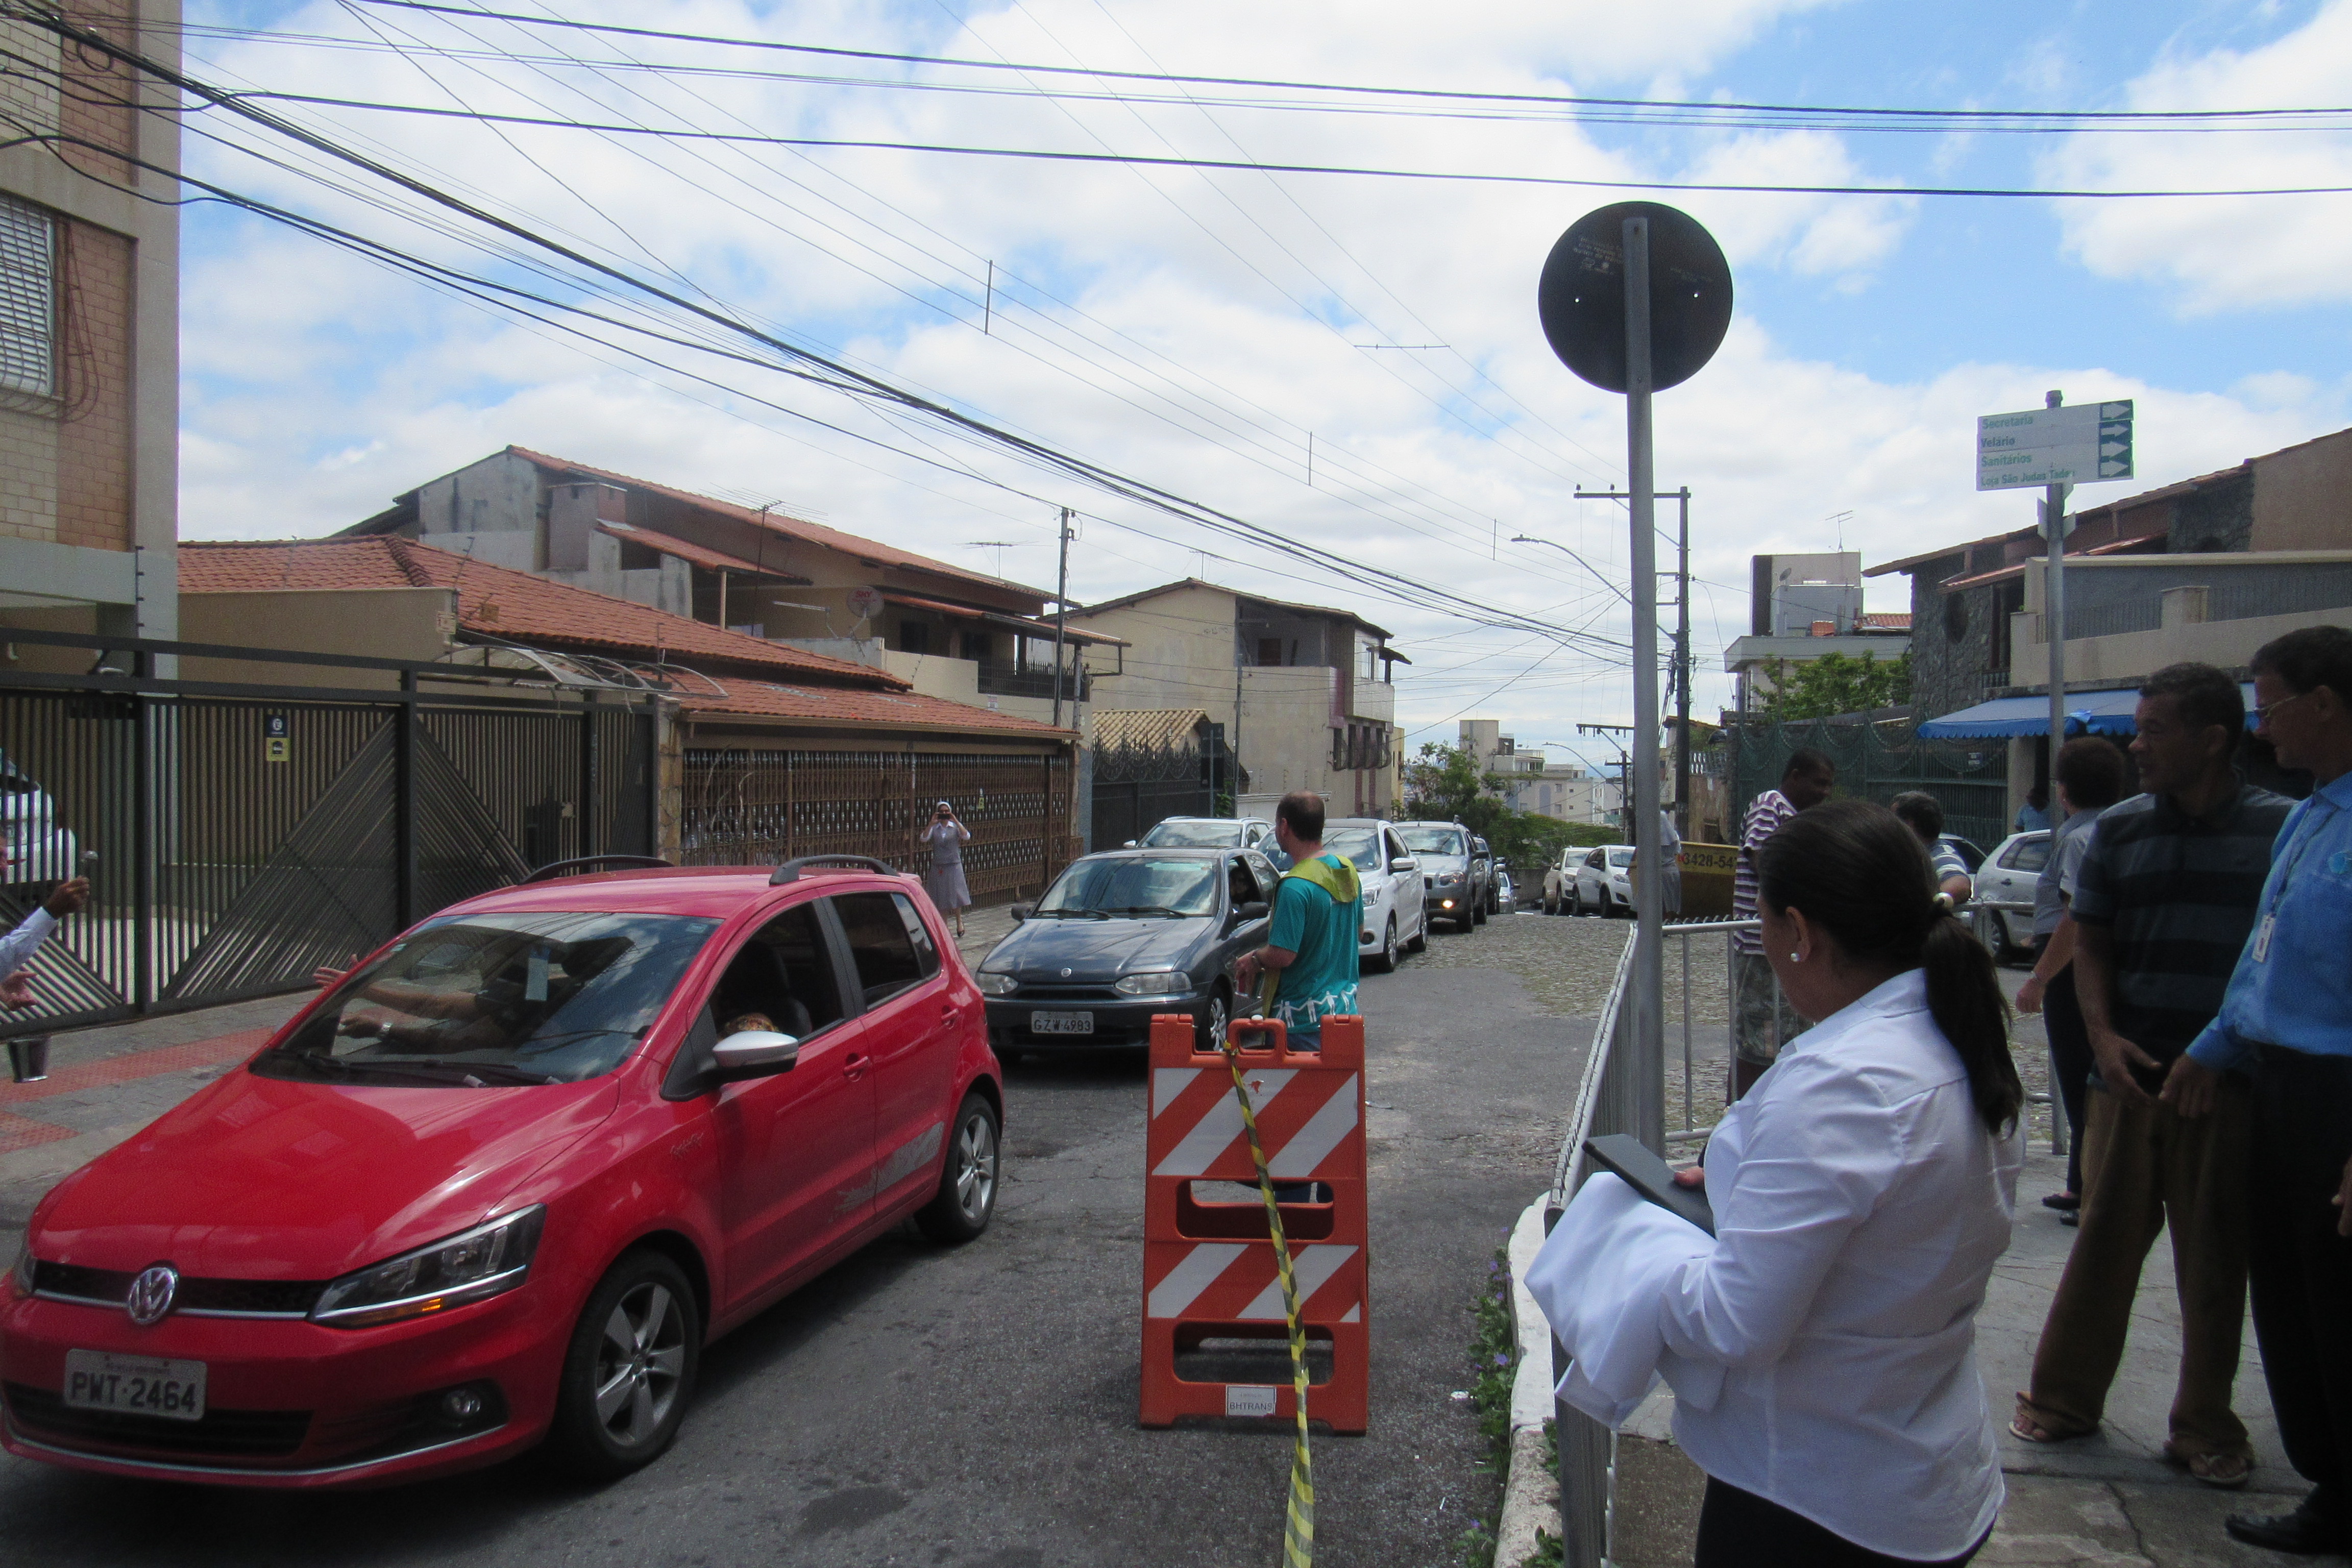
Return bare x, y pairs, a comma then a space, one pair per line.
1529, 840
1837, 683
1445, 784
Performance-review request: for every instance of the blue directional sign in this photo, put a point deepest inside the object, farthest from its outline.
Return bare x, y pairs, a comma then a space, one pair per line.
2080, 443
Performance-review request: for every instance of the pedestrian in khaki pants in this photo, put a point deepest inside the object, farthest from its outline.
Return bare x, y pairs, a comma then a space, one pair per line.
2164, 900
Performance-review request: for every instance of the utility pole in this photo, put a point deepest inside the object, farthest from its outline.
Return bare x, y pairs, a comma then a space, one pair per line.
1625, 768
1683, 662
2054, 620
1062, 623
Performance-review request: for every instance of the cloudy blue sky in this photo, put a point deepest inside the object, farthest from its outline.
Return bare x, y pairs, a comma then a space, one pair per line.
1193, 329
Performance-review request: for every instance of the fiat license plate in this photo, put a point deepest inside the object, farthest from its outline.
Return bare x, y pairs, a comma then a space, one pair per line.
1061, 1023
137, 1384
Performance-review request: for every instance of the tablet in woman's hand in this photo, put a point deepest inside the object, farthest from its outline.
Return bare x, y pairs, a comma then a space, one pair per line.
1631, 1160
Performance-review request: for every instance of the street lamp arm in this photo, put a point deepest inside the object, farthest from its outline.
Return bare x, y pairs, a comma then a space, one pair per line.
1580, 561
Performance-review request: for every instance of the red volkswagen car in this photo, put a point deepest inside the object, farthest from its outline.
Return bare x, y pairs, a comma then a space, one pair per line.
502, 1181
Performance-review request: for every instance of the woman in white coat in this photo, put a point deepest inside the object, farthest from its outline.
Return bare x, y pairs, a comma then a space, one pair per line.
1823, 1341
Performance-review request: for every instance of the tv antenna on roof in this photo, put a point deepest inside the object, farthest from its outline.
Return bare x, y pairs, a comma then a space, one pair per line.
1000, 546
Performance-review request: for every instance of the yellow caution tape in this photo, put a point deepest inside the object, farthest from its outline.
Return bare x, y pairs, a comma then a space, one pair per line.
1298, 1523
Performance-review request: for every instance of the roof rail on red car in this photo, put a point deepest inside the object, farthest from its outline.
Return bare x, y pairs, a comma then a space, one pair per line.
790, 871
632, 862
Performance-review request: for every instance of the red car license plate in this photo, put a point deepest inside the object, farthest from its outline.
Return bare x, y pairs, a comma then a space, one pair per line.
135, 1384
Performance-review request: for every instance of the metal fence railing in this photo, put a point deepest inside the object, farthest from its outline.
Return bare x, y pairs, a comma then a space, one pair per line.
1606, 1102
750, 806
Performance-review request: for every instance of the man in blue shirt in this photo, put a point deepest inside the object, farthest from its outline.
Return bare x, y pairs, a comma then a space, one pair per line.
1310, 950
2286, 1019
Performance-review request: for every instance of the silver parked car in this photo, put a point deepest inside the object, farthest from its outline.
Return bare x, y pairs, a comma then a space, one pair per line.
2001, 912
1448, 878
1207, 833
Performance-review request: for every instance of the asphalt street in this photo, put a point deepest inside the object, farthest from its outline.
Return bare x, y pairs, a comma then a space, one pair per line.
977, 1406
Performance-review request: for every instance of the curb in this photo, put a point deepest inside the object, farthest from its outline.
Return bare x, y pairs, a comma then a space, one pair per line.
1530, 1489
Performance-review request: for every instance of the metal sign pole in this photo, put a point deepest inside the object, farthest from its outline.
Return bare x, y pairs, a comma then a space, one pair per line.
1649, 970
2053, 621
1062, 626
1689, 826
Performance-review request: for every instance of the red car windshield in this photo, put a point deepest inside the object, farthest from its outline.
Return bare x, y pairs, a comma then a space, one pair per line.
492, 999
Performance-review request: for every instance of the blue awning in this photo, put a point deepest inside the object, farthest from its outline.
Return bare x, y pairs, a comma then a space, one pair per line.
2087, 713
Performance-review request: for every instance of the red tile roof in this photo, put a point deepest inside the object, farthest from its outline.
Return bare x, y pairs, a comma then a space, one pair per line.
782, 523
824, 705
497, 601
1888, 620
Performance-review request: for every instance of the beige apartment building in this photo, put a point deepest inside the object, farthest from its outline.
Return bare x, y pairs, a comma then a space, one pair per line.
1304, 693
88, 333
946, 631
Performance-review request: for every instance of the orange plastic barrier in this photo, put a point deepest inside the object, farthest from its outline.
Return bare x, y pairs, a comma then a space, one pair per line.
1209, 1267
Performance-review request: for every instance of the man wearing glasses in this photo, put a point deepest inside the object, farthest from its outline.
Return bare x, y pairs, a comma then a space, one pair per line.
2286, 1021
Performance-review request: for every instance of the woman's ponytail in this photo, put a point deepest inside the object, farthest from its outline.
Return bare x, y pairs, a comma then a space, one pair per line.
1964, 996
1859, 873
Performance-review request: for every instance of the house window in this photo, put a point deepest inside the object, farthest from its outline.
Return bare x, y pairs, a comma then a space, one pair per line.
28, 247
975, 647
1269, 651
914, 636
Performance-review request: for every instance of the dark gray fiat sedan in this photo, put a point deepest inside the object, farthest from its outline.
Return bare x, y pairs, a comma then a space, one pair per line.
1120, 936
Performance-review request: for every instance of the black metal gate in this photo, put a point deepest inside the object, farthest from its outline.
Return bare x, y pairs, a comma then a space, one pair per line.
1879, 761
243, 835
1136, 787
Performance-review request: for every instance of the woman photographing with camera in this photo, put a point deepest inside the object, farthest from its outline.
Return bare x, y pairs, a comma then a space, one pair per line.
1823, 1341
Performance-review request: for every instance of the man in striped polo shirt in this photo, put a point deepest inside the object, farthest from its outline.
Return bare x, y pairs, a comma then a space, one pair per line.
2163, 903
1762, 1018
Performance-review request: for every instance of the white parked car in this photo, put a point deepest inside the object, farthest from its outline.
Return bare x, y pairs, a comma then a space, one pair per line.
1603, 883
40, 853
1507, 897
2001, 911
1396, 916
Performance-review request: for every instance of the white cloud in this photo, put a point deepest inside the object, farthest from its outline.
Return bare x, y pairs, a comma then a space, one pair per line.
1841, 238
2234, 253
320, 386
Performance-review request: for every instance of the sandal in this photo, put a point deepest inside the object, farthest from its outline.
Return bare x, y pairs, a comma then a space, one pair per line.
2225, 1472
2061, 1201
2024, 1427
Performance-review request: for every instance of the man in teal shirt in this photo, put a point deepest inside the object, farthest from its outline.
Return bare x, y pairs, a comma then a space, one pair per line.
1310, 951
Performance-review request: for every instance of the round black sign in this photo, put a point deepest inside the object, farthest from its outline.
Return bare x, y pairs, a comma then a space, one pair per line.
1582, 296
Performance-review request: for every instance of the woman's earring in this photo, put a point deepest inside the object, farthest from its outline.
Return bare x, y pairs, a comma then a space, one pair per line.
1795, 957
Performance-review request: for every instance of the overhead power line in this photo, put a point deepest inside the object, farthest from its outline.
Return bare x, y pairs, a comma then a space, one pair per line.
1256, 166
805, 364
1498, 108
1979, 118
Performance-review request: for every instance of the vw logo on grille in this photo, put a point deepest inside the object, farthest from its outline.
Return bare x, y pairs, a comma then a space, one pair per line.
1065, 974
150, 1294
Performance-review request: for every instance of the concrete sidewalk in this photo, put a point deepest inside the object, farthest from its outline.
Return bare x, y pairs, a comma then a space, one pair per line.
106, 1083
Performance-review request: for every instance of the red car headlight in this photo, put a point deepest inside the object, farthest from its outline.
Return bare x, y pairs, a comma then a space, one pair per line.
472, 1266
